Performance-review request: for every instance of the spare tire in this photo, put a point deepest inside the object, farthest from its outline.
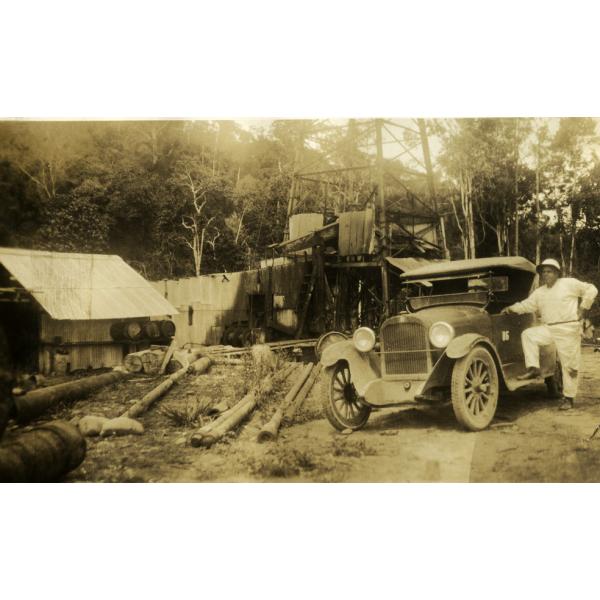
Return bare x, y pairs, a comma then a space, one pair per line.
331, 337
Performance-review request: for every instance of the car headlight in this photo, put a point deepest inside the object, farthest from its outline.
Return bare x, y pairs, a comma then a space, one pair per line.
440, 334
364, 339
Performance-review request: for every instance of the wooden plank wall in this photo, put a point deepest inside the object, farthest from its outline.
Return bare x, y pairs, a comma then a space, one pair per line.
218, 300
215, 301
356, 233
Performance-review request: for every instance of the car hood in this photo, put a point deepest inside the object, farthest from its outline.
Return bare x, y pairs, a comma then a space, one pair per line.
464, 318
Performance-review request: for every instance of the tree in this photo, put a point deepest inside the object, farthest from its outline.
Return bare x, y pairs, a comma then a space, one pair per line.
569, 163
206, 201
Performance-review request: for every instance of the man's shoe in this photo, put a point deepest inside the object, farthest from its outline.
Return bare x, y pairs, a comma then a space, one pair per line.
566, 404
531, 373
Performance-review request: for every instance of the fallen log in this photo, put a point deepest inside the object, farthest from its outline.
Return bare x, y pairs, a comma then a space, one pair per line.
167, 357
227, 361
44, 454
34, 403
141, 406
133, 362
201, 365
282, 345
151, 360
270, 429
302, 394
212, 433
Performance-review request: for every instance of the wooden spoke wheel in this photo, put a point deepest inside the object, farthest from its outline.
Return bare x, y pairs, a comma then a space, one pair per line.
343, 407
475, 389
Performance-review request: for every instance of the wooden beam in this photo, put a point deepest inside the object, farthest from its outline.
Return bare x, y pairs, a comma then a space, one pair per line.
353, 265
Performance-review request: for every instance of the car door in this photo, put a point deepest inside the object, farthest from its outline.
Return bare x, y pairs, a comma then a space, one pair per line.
506, 335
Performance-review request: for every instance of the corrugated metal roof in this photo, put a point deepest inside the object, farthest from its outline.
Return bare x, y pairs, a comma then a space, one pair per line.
84, 286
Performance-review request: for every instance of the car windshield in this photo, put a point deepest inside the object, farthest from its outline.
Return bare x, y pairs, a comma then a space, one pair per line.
471, 297
493, 290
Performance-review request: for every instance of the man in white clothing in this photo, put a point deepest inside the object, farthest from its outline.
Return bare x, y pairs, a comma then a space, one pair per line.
562, 303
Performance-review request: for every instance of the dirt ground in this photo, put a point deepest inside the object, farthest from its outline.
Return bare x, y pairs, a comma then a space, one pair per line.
529, 441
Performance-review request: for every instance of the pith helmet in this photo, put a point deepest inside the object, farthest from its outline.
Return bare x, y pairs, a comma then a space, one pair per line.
549, 262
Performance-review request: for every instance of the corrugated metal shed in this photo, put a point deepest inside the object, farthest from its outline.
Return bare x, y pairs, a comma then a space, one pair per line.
84, 286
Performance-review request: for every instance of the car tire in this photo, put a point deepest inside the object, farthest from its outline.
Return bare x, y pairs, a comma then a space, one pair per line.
554, 383
341, 404
475, 389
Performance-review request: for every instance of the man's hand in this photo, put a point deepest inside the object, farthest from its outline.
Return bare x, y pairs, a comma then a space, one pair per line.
505, 311
581, 313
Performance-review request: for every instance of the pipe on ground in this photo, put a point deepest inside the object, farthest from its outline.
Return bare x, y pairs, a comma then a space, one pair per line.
34, 403
44, 454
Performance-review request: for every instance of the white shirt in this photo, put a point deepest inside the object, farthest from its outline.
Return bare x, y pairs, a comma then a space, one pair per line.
560, 302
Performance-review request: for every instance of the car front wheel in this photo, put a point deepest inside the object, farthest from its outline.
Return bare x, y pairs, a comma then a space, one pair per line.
342, 406
475, 389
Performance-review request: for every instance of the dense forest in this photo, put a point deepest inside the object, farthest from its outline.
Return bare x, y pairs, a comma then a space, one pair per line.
178, 198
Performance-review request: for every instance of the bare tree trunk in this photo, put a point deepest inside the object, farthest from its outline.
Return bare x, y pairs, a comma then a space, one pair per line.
516, 187
467, 208
538, 215
239, 229
561, 236
199, 263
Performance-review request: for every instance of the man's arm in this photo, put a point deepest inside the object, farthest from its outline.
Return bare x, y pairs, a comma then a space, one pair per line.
529, 305
587, 292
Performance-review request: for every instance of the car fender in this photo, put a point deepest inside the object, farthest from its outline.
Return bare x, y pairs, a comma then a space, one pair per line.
363, 365
460, 346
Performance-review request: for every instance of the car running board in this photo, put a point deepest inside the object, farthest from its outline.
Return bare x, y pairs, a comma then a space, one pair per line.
512, 383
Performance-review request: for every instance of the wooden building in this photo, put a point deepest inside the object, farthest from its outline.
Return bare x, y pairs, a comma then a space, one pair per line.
58, 307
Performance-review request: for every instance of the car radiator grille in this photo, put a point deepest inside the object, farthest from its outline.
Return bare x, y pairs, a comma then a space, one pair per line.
405, 348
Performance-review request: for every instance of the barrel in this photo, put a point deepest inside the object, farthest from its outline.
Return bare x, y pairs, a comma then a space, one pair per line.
117, 332
247, 338
167, 329
133, 330
44, 454
152, 330
230, 335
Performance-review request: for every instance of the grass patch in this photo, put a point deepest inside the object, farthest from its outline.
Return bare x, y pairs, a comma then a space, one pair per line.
353, 449
192, 414
283, 461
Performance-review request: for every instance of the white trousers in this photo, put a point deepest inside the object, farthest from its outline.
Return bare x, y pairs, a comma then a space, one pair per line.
566, 338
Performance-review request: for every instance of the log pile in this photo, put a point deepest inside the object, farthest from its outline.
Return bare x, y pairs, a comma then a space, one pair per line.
209, 434
290, 404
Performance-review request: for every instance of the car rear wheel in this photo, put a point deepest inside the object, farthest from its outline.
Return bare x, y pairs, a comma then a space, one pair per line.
343, 408
554, 383
475, 389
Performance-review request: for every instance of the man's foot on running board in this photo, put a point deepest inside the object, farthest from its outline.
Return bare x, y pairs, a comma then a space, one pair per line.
531, 373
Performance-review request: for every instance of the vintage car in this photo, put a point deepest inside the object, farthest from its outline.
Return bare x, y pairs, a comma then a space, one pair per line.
449, 342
